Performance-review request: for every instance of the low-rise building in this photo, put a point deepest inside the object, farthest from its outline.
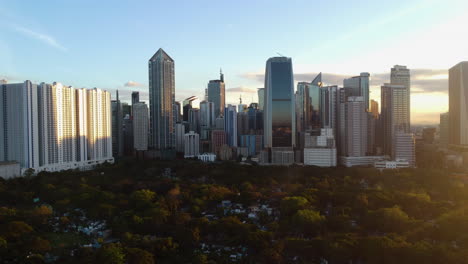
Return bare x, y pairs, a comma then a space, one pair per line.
391, 164
9, 169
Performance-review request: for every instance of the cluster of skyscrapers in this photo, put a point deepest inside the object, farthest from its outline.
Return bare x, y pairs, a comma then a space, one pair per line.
314, 124
55, 127
52, 127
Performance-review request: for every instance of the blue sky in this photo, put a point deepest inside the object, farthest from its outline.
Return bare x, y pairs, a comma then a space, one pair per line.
107, 44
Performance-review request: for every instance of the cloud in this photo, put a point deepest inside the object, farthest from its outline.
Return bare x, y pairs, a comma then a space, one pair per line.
422, 80
49, 40
133, 84
241, 89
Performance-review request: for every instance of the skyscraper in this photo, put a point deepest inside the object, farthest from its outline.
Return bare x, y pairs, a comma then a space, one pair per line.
444, 128
303, 107
356, 127
230, 125
261, 98
358, 86
404, 148
191, 144
117, 129
54, 127
207, 114
458, 104
19, 124
216, 94
135, 97
314, 93
180, 134
162, 99
279, 109
394, 114
374, 108
400, 75
329, 107
140, 126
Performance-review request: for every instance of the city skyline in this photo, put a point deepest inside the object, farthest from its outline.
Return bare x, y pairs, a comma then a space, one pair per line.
346, 50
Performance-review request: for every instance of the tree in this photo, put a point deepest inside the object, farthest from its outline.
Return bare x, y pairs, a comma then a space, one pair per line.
139, 256
17, 229
308, 221
110, 254
290, 205
143, 198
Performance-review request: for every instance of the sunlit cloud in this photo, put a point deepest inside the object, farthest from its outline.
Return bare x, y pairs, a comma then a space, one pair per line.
241, 89
134, 84
49, 40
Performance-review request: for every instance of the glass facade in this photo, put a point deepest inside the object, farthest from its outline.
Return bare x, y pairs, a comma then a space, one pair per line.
280, 109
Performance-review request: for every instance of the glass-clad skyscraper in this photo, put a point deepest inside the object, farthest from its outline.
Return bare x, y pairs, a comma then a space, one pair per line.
162, 100
279, 108
358, 86
217, 95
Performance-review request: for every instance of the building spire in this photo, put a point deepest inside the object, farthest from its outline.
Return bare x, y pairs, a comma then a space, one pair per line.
221, 75
240, 99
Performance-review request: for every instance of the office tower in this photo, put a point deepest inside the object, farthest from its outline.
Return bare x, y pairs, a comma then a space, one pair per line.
329, 106
458, 114
19, 122
177, 109
216, 94
207, 114
371, 128
117, 129
187, 105
374, 108
358, 86
252, 119
218, 139
162, 99
314, 93
259, 122
253, 143
261, 98
279, 109
321, 150
404, 148
230, 125
135, 97
128, 134
394, 114
400, 75
282, 156
303, 107
242, 123
140, 126
194, 120
356, 127
180, 134
191, 144
126, 109
444, 128
219, 123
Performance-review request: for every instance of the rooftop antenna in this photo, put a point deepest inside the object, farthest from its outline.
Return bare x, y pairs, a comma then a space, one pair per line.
281, 55
240, 99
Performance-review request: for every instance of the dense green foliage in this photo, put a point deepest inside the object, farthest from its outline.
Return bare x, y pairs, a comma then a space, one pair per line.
178, 212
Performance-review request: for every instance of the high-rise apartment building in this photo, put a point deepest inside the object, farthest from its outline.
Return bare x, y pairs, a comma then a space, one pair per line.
394, 114
374, 108
54, 127
458, 104
162, 99
117, 128
191, 145
358, 86
217, 94
140, 126
321, 150
400, 75
279, 109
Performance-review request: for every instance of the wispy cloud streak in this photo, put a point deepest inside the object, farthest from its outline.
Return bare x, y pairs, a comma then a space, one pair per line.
49, 40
